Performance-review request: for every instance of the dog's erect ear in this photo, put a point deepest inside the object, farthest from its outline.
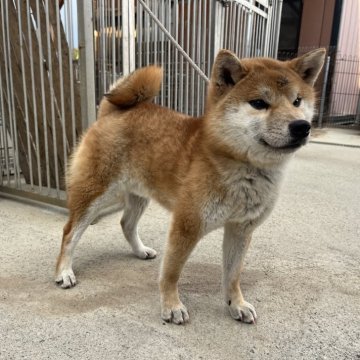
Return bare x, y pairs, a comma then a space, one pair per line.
226, 72
308, 66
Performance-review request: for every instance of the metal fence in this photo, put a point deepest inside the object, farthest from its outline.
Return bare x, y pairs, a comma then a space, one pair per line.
57, 58
39, 98
183, 37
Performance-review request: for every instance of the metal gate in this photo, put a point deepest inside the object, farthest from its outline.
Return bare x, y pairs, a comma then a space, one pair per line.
183, 36
40, 116
58, 58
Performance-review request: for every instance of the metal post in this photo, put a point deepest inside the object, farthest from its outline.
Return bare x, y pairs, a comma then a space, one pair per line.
268, 29
128, 36
217, 41
86, 52
277, 29
357, 119
323, 92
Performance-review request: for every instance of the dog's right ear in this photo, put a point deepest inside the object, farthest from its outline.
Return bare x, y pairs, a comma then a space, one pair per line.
226, 72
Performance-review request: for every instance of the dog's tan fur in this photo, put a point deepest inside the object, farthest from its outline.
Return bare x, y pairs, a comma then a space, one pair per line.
222, 169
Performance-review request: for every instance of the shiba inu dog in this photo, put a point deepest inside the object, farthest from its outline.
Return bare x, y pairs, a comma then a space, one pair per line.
219, 170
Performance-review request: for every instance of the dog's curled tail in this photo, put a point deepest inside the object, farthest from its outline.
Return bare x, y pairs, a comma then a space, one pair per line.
141, 85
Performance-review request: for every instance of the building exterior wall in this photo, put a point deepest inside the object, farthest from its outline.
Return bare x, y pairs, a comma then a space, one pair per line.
346, 81
316, 24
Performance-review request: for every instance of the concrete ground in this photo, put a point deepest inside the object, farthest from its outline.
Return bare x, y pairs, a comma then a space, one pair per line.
302, 274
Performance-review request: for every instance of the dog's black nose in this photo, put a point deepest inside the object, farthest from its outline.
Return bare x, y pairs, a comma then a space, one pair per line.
299, 129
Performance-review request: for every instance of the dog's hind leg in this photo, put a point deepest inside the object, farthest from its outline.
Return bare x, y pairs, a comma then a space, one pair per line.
83, 207
134, 208
73, 231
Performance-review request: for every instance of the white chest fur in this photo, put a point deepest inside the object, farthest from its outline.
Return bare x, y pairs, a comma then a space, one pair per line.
249, 196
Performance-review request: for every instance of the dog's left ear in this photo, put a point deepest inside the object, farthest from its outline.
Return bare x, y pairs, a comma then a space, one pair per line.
308, 66
226, 72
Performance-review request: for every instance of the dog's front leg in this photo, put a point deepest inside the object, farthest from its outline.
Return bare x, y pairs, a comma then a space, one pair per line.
184, 235
236, 242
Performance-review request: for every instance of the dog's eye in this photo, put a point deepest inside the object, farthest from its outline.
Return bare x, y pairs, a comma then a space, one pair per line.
259, 104
297, 102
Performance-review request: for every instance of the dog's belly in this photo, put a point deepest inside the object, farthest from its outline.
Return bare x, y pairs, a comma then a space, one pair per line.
133, 185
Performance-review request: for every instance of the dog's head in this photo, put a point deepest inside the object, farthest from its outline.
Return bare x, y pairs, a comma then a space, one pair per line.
262, 108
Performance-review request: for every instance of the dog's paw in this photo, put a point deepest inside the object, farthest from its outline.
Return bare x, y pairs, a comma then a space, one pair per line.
244, 312
146, 253
66, 279
175, 314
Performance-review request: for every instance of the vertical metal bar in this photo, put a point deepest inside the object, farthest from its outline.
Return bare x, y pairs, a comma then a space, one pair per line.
103, 46
169, 56
239, 37
2, 91
151, 40
11, 101
239, 31
269, 22
41, 60
260, 36
25, 94
278, 23
176, 4
36, 126
233, 26
225, 25
71, 74
52, 97
139, 33
249, 32
62, 103
128, 36
341, 70
187, 63
217, 23
131, 35
203, 54
107, 45
193, 49
257, 44
4, 131
87, 77
113, 34
162, 54
147, 29
210, 38
263, 36
181, 106
355, 67
323, 92
198, 54
119, 42
204, 34
156, 29
357, 118
254, 34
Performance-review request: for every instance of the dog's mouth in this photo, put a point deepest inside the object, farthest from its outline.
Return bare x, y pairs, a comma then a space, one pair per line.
291, 146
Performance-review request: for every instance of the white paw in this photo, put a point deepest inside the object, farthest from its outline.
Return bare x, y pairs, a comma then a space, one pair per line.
66, 279
244, 312
145, 253
176, 314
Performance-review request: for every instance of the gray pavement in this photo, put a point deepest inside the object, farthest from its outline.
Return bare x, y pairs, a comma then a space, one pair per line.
302, 275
